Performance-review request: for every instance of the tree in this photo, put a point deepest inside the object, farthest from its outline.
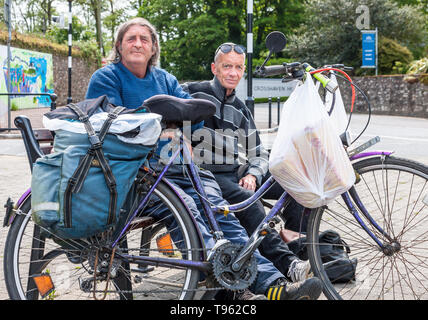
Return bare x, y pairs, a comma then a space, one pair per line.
79, 32
95, 7
36, 15
191, 31
114, 19
188, 30
390, 52
329, 34
275, 15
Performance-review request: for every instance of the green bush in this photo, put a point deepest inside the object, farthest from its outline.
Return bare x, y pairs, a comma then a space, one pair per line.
417, 71
392, 54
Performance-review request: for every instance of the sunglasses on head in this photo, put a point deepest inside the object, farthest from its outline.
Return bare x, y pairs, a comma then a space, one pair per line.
227, 47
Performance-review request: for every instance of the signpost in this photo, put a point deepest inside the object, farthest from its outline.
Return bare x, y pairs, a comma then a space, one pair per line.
249, 102
70, 39
369, 48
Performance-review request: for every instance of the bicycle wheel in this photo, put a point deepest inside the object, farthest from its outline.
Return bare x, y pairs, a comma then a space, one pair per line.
71, 263
395, 193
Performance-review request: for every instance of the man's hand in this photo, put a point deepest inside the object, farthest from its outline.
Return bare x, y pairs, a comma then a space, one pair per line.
248, 182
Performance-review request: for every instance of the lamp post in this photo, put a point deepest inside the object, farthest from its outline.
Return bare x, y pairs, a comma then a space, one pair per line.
250, 100
70, 38
7, 5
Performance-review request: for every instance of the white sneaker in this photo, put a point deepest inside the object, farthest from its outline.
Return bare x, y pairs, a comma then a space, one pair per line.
299, 270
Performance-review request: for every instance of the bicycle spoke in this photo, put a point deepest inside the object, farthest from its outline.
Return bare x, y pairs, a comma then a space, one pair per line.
392, 191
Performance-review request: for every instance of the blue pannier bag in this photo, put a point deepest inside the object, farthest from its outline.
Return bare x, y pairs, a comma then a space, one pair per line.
78, 191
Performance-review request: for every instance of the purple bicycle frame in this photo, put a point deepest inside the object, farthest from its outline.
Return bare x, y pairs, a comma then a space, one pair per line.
209, 211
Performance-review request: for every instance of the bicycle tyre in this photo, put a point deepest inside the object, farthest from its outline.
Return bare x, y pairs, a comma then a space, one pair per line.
395, 193
69, 267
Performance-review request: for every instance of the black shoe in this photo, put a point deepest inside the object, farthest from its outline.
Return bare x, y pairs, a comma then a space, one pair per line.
309, 289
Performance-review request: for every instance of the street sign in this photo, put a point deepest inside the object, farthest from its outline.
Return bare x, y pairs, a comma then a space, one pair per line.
369, 48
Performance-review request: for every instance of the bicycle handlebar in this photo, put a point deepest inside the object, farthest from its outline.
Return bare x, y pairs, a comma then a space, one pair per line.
275, 70
294, 70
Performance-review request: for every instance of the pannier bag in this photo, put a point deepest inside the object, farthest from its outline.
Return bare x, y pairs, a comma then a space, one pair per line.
78, 190
307, 158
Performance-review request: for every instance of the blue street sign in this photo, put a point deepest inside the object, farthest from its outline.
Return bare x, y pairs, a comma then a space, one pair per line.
369, 46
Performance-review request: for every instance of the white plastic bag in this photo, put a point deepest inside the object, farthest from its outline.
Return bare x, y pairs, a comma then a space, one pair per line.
149, 123
338, 115
307, 157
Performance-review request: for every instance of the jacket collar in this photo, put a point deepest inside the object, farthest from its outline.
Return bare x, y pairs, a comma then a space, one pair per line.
220, 91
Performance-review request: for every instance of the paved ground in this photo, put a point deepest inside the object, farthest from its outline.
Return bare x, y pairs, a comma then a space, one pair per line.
408, 136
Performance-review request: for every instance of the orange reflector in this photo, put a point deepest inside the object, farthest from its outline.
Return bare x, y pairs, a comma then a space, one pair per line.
164, 244
44, 284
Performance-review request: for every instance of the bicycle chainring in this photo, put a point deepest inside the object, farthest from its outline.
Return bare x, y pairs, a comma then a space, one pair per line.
222, 268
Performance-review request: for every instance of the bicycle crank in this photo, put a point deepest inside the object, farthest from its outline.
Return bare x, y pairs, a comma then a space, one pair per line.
222, 261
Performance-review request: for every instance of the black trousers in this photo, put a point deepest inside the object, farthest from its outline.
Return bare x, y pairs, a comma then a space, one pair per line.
272, 247
294, 217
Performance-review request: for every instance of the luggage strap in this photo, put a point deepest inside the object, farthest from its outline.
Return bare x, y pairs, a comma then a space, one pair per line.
76, 181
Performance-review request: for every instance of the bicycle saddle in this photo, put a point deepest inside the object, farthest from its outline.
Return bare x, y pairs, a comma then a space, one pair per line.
173, 109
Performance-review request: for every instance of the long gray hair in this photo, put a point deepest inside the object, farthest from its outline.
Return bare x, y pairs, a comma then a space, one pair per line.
115, 55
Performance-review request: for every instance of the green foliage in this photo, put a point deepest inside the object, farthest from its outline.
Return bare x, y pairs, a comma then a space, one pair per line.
418, 66
79, 32
418, 71
87, 50
14, 106
390, 52
191, 31
330, 35
399, 67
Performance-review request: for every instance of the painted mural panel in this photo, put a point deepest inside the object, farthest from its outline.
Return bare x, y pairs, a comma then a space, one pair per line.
30, 72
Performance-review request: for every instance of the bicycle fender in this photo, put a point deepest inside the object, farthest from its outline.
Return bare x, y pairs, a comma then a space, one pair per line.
23, 197
370, 154
12, 208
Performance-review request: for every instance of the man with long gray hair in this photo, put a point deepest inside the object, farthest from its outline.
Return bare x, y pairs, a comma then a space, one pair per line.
131, 79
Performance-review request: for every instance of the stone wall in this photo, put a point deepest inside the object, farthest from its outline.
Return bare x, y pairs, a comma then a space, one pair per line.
389, 95
80, 76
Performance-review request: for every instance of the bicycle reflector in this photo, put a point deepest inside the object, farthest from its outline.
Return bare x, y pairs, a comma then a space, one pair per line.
164, 243
44, 284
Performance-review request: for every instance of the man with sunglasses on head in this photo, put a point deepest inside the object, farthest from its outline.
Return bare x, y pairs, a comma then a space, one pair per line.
128, 81
227, 137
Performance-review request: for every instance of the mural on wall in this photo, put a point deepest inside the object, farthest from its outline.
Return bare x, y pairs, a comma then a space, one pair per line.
30, 72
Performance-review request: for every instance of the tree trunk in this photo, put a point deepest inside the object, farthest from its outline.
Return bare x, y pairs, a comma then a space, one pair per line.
96, 6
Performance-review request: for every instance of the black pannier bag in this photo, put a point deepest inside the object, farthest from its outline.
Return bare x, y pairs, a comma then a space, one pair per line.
334, 255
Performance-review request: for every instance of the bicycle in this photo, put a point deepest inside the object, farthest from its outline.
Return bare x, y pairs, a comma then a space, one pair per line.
157, 250
389, 249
